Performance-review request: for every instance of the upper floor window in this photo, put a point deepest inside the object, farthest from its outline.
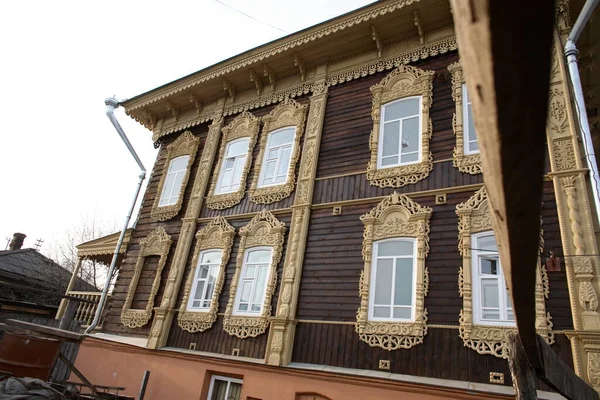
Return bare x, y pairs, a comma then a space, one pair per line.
471, 146
253, 281
205, 279
393, 280
224, 388
490, 294
172, 186
400, 133
278, 153
233, 165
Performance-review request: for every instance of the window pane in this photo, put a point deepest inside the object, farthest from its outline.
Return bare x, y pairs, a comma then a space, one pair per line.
249, 271
259, 256
489, 265
246, 289
273, 154
269, 169
403, 284
177, 186
391, 139
219, 390
395, 248
199, 289
281, 137
212, 278
510, 315
401, 109
256, 307
168, 186
237, 172
473, 146
229, 162
490, 314
179, 164
237, 148
259, 289
284, 163
487, 243
471, 127
383, 281
389, 161
404, 313
243, 307
211, 257
235, 389
226, 179
203, 272
409, 158
489, 293
381, 312
410, 135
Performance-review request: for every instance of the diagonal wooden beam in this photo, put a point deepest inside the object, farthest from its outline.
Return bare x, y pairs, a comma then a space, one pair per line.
505, 54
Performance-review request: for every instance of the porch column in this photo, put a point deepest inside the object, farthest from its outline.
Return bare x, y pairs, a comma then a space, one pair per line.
63, 303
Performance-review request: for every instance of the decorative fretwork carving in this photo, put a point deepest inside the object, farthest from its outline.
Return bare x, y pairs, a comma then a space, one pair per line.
395, 216
564, 154
157, 243
288, 113
473, 217
244, 125
468, 163
185, 144
403, 82
218, 234
263, 230
558, 119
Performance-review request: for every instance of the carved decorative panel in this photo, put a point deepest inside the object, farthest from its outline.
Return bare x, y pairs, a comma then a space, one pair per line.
263, 230
396, 216
289, 113
185, 144
157, 243
404, 81
468, 163
473, 217
218, 234
244, 125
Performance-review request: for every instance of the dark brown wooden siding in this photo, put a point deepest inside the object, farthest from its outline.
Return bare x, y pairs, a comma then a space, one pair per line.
144, 226
215, 339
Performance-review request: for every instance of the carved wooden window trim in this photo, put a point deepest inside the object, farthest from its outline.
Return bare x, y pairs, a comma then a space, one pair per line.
263, 230
185, 144
244, 125
467, 163
396, 216
404, 81
156, 243
474, 217
218, 234
289, 113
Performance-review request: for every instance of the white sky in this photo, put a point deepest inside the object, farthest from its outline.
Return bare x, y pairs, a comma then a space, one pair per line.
60, 159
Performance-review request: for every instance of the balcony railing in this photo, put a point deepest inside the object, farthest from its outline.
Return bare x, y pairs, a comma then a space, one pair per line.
85, 309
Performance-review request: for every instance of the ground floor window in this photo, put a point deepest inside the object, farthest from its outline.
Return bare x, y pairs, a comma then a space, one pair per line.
224, 388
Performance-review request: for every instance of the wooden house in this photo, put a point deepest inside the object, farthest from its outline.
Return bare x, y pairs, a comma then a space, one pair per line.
316, 227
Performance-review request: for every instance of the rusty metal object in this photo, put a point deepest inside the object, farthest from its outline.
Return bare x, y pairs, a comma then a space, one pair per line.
27, 356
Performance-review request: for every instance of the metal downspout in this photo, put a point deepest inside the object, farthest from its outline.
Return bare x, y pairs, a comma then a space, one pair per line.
111, 104
571, 54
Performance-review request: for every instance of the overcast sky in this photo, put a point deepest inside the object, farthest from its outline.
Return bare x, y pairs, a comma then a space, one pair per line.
60, 158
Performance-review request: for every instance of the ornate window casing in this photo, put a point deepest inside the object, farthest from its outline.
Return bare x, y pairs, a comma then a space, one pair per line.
244, 125
217, 235
291, 114
474, 217
185, 145
397, 216
264, 230
466, 160
405, 81
156, 243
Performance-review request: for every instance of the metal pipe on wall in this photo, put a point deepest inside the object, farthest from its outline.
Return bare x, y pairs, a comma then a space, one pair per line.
111, 105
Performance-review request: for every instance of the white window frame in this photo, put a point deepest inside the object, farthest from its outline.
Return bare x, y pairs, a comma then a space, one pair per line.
476, 254
291, 145
382, 124
174, 193
373, 274
241, 280
217, 267
466, 141
237, 160
227, 379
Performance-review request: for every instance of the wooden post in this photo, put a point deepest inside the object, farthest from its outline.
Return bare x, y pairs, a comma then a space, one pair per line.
67, 318
63, 302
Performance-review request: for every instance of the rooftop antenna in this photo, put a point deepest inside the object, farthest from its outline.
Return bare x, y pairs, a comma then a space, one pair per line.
7, 243
38, 244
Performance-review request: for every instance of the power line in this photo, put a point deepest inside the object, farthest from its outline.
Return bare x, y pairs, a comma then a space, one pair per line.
251, 17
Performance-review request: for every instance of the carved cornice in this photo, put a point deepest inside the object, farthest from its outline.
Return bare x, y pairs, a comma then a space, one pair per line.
473, 217
244, 125
156, 243
263, 230
185, 144
395, 216
288, 113
218, 234
468, 163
